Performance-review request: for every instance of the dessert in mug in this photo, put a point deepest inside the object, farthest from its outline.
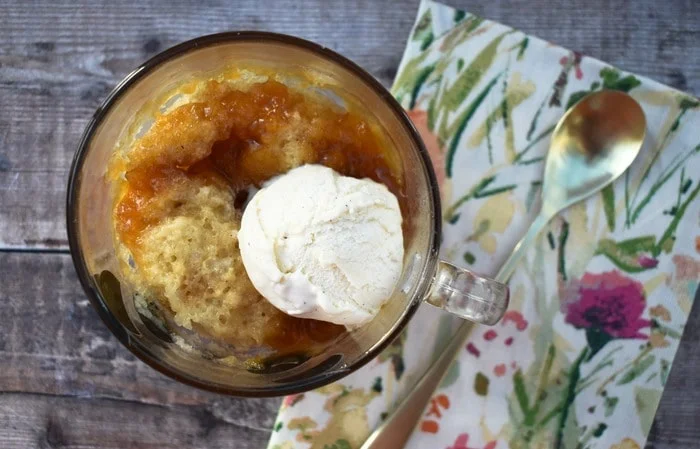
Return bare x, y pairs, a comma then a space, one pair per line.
254, 211
324, 246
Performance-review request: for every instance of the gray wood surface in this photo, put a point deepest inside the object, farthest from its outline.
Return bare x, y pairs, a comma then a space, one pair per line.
64, 380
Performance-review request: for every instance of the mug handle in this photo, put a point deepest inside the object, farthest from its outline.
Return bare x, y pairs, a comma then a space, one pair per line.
467, 295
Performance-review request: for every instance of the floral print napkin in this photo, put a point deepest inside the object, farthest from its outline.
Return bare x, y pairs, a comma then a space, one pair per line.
598, 305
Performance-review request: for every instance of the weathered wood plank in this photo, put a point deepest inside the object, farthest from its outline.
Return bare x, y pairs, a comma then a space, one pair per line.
60, 366
59, 60
677, 422
35, 421
54, 345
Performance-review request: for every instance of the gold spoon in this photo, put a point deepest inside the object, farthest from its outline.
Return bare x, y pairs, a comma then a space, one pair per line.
593, 144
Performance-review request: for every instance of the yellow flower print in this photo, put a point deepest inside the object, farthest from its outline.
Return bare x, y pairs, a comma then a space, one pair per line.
627, 443
348, 418
493, 217
305, 426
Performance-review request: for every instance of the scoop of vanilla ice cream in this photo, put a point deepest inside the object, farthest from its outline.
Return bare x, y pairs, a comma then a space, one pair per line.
320, 245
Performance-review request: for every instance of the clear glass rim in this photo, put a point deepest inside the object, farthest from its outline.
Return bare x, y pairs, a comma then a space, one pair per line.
89, 285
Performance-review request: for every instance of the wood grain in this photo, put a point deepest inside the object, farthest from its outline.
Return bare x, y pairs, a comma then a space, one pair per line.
64, 373
64, 380
74, 422
59, 61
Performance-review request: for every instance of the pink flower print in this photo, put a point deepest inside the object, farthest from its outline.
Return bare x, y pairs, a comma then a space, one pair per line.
438, 405
471, 349
517, 318
460, 442
647, 262
463, 439
610, 303
686, 277
499, 370
501, 349
499, 338
568, 62
292, 399
686, 268
564, 61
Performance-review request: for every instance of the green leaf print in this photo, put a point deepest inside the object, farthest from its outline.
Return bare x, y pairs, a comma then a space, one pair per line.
424, 27
469, 258
600, 430
521, 392
420, 80
576, 97
470, 77
596, 340
522, 47
518, 157
637, 370
535, 118
564, 422
533, 411
452, 375
496, 191
646, 400
665, 330
481, 384
408, 76
427, 41
394, 354
532, 194
608, 194
611, 79
663, 178
563, 237
665, 369
462, 122
610, 404
668, 238
339, 444
432, 109
512, 98
637, 245
477, 191
686, 103
459, 34
542, 384
629, 255
689, 103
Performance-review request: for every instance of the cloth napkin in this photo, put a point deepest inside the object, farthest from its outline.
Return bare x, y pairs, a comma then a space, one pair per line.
598, 306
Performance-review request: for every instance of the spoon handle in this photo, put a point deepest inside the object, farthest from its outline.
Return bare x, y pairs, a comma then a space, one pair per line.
518, 252
397, 428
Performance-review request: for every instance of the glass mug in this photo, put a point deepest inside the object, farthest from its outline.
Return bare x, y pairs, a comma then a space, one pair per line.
424, 276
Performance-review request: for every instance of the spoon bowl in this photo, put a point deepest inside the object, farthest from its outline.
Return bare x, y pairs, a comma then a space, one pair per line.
593, 144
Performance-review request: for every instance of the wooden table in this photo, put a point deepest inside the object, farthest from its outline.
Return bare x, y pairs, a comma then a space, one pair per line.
64, 380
